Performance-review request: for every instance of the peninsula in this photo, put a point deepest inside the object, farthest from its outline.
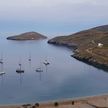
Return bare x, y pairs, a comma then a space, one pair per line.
27, 36
90, 46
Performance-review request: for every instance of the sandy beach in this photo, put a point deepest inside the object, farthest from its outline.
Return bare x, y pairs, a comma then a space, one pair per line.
87, 102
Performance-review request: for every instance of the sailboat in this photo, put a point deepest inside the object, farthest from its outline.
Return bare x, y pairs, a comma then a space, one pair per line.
2, 68
1, 59
46, 62
2, 73
39, 69
29, 59
20, 70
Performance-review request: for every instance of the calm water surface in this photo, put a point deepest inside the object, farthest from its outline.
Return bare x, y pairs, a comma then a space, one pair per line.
65, 77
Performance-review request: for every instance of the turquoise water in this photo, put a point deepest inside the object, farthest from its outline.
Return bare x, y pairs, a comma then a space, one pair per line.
65, 77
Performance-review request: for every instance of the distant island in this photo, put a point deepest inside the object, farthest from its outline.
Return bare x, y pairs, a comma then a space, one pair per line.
27, 36
90, 46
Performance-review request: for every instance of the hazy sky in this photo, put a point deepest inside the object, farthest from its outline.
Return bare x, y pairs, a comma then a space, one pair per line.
55, 16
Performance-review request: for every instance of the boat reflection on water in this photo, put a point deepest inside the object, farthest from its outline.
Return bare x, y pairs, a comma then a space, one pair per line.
20, 78
2, 79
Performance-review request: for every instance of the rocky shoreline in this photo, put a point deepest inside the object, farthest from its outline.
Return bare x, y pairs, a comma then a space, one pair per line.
88, 59
91, 62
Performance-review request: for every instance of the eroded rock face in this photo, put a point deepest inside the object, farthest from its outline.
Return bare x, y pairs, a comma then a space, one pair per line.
27, 36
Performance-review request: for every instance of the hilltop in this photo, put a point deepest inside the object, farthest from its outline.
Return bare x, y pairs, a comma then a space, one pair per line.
27, 36
90, 45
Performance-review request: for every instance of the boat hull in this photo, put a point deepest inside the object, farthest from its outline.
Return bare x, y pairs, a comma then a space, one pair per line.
20, 71
1, 73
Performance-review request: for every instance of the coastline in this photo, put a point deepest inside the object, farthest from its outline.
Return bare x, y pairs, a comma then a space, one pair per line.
90, 62
95, 101
90, 45
88, 59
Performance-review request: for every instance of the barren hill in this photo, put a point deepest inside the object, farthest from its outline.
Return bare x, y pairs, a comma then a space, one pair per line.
27, 36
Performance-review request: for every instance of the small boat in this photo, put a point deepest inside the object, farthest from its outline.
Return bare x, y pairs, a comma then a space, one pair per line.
29, 59
1, 67
46, 62
1, 61
20, 70
39, 70
2, 73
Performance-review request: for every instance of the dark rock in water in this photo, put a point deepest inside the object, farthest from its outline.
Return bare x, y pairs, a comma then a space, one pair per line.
27, 36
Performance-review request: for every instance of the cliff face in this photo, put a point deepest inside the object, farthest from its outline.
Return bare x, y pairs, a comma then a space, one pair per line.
87, 44
27, 36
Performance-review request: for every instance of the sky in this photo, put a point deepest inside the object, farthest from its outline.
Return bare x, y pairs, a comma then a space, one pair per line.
52, 17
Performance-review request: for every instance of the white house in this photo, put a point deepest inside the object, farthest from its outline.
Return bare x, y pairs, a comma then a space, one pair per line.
100, 45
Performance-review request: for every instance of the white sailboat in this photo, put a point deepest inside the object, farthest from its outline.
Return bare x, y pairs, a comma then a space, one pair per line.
39, 69
46, 63
2, 73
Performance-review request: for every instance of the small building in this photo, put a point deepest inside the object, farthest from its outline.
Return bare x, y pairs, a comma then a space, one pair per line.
100, 45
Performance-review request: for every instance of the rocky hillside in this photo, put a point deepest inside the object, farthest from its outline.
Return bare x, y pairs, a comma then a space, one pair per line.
97, 34
27, 36
91, 44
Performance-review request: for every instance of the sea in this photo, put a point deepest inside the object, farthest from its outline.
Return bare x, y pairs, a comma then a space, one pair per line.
64, 78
